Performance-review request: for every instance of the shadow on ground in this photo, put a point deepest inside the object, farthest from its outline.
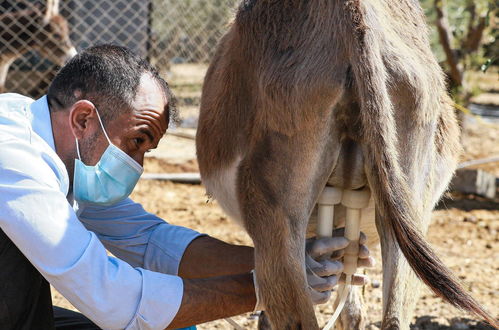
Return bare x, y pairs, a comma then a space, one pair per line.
434, 323
467, 202
429, 323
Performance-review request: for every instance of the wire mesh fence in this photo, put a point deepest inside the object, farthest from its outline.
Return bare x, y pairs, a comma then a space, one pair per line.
36, 37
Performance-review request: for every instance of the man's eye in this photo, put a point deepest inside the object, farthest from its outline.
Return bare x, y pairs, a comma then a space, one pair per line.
138, 141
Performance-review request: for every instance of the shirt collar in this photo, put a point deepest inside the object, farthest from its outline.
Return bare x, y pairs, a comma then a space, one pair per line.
40, 120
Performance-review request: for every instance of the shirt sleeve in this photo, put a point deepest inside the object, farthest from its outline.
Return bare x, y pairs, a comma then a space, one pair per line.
138, 237
35, 215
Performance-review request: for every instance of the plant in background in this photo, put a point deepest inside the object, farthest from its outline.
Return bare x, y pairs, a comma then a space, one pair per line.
188, 30
463, 38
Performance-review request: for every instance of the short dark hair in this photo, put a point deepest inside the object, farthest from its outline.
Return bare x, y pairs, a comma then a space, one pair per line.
107, 75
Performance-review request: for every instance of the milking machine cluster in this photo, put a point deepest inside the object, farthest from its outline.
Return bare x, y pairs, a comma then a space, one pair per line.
353, 201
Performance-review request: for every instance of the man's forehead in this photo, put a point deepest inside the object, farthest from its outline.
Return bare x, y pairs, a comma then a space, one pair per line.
149, 94
150, 103
148, 122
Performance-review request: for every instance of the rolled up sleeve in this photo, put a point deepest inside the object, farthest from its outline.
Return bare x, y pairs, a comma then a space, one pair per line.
138, 237
166, 247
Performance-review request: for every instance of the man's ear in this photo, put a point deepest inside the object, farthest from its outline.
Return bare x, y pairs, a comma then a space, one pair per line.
82, 119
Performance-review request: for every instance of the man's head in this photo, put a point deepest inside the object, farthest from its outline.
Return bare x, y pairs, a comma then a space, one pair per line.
134, 103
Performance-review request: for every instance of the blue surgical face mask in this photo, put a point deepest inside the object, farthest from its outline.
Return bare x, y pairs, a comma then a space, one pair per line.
111, 180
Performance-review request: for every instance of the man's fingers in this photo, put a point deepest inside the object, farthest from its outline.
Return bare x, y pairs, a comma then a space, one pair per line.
320, 297
368, 262
341, 232
324, 267
363, 251
363, 238
330, 268
338, 254
318, 283
326, 246
325, 283
357, 279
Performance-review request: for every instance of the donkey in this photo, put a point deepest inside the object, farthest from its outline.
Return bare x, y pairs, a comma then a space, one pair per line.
304, 93
30, 29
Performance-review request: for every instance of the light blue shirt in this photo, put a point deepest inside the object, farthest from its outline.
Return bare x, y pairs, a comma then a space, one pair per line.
133, 292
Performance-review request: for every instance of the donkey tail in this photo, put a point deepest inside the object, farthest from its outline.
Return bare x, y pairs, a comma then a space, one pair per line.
386, 176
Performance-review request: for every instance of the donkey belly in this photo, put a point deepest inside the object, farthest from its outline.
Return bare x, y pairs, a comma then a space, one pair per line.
221, 185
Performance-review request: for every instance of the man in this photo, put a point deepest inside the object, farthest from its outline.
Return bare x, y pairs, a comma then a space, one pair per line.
68, 162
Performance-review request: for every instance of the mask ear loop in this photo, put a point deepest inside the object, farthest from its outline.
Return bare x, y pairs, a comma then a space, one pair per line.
102, 125
78, 149
103, 129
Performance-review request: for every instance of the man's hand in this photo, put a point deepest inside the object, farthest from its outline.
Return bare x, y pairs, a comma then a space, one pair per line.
324, 268
227, 280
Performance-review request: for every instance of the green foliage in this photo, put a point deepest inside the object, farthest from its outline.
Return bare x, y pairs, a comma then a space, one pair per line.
190, 29
459, 19
487, 64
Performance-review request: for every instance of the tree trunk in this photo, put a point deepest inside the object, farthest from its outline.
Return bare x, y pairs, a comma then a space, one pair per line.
455, 69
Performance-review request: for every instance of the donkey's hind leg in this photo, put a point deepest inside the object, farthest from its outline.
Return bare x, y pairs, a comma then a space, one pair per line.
278, 184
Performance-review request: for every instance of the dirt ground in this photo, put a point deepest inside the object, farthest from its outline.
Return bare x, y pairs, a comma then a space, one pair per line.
464, 230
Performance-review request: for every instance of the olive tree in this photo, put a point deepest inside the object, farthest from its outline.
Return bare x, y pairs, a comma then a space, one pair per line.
463, 36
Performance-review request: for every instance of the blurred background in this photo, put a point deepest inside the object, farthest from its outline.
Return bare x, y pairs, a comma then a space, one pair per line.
180, 37
166, 32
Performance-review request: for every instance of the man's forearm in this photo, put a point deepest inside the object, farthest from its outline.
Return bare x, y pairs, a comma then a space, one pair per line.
209, 257
214, 298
